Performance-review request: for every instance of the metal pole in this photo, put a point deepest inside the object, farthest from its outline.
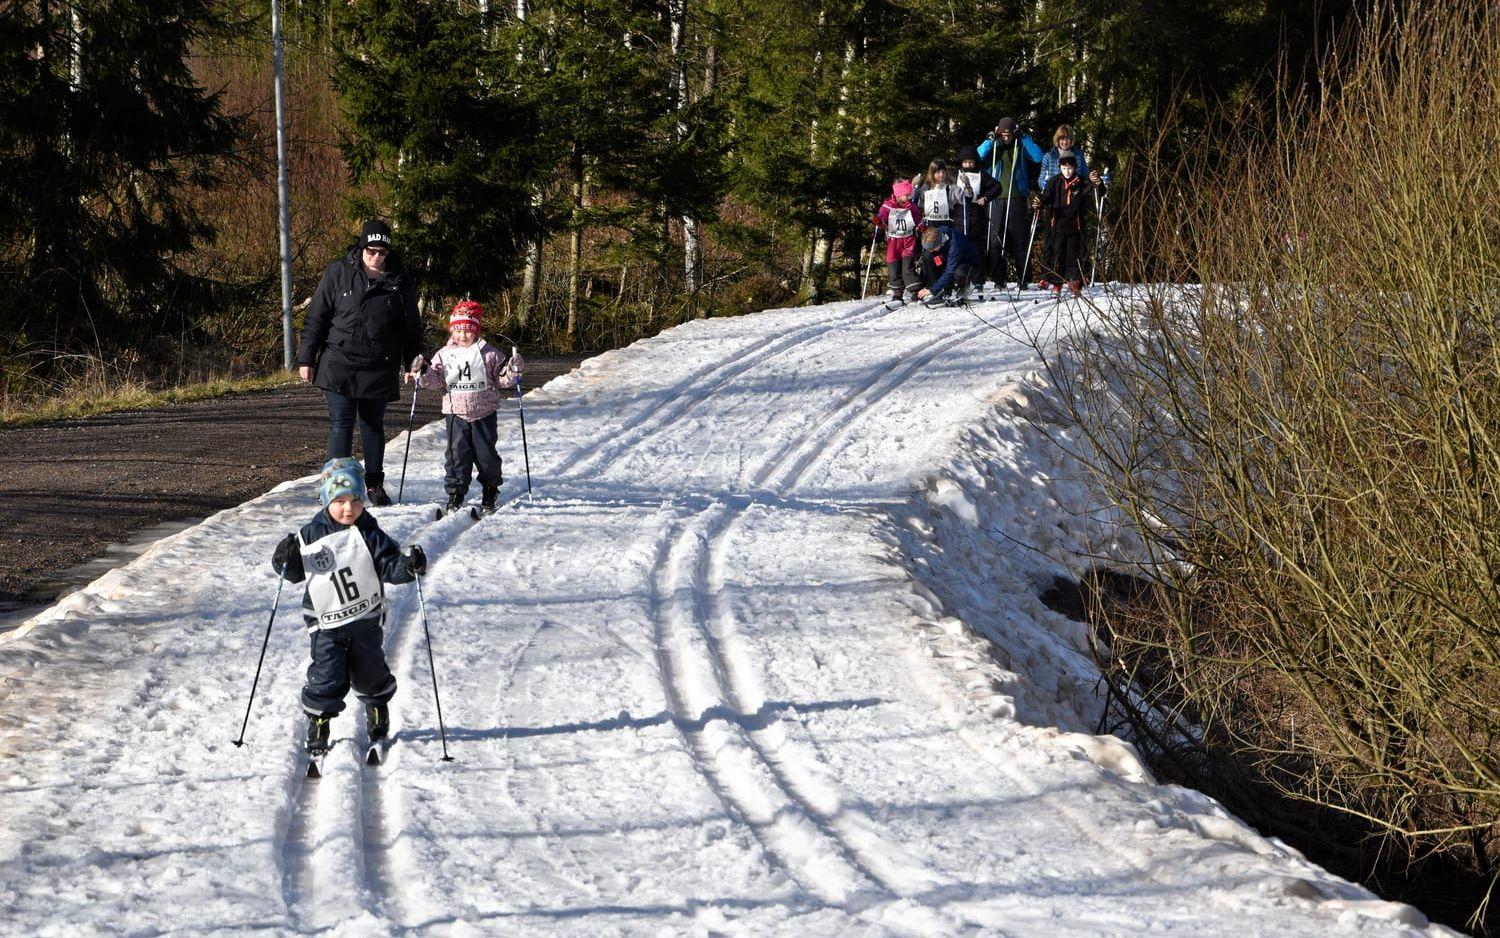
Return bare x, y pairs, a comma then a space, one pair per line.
520, 409
280, 579
283, 192
422, 601
409, 418
869, 263
1015, 154
1100, 197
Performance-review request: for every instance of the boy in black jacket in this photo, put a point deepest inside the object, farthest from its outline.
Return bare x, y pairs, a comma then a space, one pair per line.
1063, 203
344, 556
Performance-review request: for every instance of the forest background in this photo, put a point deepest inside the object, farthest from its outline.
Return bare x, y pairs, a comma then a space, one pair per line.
591, 171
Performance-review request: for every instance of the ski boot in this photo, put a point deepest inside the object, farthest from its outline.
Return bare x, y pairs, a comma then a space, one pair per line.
488, 498
455, 502
1076, 286
317, 735
377, 721
376, 495
937, 299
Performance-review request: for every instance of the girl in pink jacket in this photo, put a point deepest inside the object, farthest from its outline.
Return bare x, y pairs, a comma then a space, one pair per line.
900, 218
471, 373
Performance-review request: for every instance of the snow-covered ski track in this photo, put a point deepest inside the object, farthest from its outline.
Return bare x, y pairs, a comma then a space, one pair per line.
748, 661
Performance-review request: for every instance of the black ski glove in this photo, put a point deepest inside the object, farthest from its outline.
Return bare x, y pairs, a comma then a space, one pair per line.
416, 561
287, 560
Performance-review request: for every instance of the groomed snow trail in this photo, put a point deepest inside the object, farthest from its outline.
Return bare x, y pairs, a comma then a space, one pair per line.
762, 656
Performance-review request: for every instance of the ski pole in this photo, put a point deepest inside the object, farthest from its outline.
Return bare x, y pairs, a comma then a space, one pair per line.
280, 579
409, 418
1010, 190
864, 287
1099, 199
443, 732
1030, 242
525, 452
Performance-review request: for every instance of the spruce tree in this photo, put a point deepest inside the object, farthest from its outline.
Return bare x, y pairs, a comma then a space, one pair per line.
105, 132
441, 138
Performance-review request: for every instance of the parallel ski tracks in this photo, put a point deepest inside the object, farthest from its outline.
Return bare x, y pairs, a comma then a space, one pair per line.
701, 386
300, 841
794, 814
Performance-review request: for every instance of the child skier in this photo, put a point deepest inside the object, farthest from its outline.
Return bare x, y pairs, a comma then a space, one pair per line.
978, 191
471, 373
1063, 203
936, 196
956, 256
900, 219
345, 556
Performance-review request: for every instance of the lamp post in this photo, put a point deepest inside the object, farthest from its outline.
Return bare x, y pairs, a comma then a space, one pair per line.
282, 191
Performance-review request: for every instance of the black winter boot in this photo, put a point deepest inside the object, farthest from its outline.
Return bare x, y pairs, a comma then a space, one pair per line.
377, 720
455, 502
487, 501
317, 734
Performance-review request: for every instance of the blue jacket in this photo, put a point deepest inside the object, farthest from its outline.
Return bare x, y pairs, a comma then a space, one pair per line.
1050, 165
1029, 152
961, 253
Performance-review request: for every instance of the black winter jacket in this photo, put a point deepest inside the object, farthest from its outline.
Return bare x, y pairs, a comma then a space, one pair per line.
1064, 202
978, 215
360, 334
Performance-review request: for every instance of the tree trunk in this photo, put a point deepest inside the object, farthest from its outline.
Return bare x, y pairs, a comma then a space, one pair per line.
575, 250
531, 280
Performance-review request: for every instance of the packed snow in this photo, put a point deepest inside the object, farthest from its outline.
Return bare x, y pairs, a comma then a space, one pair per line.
762, 655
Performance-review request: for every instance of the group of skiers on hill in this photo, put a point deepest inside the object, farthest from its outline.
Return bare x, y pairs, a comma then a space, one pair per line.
946, 229
362, 329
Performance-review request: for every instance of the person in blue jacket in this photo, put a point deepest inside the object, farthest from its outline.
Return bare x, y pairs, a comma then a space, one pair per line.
955, 256
1014, 159
345, 557
1063, 140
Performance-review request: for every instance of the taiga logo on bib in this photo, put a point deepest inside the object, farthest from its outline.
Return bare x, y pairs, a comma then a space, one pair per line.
322, 561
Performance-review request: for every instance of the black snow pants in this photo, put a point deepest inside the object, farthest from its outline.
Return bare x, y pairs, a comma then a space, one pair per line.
349, 654
1005, 253
903, 276
1064, 257
471, 443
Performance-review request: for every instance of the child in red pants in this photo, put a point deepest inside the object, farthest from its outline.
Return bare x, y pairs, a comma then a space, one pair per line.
900, 219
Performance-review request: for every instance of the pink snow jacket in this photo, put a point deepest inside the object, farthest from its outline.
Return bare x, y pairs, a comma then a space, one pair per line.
473, 405
897, 244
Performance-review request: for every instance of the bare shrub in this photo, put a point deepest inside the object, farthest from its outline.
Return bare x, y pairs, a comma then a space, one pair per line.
1309, 435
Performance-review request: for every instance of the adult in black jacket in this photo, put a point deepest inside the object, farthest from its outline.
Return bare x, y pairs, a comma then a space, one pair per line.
362, 328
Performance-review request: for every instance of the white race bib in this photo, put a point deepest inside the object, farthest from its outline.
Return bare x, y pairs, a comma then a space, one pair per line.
970, 183
935, 204
341, 578
899, 223
463, 368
